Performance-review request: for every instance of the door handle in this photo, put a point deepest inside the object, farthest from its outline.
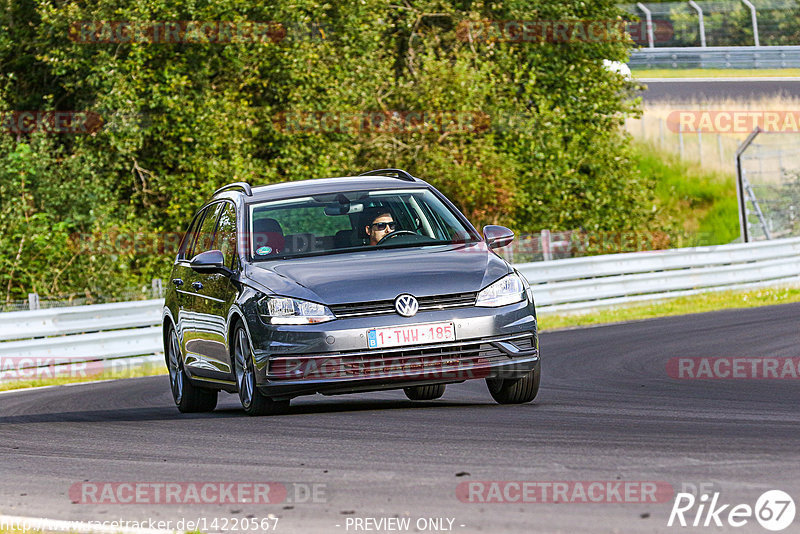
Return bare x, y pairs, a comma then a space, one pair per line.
197, 285
177, 281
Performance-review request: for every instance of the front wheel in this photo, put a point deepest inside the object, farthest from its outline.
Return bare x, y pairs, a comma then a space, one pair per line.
515, 390
424, 392
253, 401
188, 398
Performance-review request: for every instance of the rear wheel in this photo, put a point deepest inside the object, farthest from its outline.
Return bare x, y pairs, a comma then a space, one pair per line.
515, 390
253, 401
424, 392
188, 398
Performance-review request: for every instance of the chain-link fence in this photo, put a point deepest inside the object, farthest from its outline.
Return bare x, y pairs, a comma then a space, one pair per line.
769, 186
547, 245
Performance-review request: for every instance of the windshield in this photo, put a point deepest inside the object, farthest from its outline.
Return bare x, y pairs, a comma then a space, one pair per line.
341, 222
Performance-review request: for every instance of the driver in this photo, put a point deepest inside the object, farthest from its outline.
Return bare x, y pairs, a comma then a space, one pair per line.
382, 225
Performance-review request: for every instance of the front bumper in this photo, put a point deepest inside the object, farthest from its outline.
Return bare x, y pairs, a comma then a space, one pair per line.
333, 358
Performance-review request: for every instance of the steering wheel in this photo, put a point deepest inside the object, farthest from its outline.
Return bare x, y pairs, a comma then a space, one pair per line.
396, 233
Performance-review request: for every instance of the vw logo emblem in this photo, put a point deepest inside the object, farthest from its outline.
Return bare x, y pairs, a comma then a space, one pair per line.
406, 305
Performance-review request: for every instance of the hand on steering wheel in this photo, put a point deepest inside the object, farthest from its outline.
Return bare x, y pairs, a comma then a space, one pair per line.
396, 233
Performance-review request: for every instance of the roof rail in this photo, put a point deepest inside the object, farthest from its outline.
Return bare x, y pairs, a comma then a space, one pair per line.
396, 173
244, 186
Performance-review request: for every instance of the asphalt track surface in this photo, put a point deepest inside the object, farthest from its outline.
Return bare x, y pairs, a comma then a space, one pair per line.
699, 90
607, 411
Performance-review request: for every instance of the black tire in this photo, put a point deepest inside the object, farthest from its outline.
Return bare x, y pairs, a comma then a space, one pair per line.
515, 391
424, 392
188, 397
253, 401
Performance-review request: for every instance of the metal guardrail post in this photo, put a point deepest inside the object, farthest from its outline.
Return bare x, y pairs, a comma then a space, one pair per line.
649, 18
33, 301
702, 23
740, 184
754, 19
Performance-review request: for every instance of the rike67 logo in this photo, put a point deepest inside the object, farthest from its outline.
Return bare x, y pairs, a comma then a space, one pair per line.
774, 510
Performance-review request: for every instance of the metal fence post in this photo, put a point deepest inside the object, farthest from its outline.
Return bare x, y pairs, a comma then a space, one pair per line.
740, 184
33, 301
700, 146
547, 251
158, 288
702, 23
649, 18
754, 19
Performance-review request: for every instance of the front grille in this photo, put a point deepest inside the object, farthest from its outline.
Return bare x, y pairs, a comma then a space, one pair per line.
459, 360
380, 307
525, 343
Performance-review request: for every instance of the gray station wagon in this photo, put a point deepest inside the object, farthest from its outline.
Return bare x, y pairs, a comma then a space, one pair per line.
344, 285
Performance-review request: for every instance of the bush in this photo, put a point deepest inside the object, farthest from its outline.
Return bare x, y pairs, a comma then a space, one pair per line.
181, 119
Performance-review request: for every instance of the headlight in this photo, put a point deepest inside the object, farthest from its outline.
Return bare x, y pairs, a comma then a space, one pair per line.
507, 290
282, 310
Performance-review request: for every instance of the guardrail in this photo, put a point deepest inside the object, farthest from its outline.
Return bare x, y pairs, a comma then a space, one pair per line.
717, 57
85, 339
590, 282
129, 332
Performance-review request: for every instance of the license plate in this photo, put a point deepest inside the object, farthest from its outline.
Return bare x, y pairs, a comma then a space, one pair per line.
418, 334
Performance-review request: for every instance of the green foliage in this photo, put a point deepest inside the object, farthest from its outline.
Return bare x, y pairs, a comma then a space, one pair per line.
692, 205
181, 119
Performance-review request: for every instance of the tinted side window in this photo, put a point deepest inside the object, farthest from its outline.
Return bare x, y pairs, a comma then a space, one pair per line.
225, 238
191, 237
205, 238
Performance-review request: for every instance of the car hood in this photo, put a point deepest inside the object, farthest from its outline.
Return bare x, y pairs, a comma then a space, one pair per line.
381, 274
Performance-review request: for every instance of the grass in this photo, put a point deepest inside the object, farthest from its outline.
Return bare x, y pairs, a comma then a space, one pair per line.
720, 300
713, 73
145, 370
696, 203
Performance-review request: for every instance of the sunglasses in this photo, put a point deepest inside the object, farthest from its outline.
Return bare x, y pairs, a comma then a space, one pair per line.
381, 226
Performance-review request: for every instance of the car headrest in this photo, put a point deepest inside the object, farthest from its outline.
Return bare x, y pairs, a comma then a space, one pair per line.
268, 233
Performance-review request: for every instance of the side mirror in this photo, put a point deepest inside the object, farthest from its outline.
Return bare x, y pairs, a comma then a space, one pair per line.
211, 261
497, 236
